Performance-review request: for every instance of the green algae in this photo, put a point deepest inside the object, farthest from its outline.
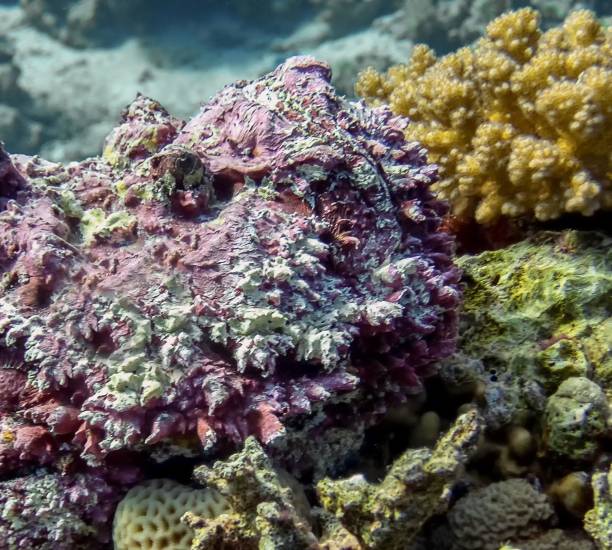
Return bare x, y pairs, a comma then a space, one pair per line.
388, 515
576, 416
96, 223
598, 521
535, 314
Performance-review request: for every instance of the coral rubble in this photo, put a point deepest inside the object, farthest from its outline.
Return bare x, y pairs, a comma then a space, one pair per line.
598, 521
576, 418
519, 124
278, 256
267, 509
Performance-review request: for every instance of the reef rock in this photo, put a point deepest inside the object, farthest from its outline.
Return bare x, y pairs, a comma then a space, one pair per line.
51, 511
598, 521
576, 418
268, 509
279, 257
389, 515
535, 314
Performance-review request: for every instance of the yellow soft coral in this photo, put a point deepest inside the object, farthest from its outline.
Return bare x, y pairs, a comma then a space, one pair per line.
520, 124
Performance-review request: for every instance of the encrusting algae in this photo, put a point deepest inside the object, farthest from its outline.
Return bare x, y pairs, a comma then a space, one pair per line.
520, 124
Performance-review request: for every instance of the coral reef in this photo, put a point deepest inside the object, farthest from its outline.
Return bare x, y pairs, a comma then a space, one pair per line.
275, 275
14, 122
149, 515
504, 511
267, 507
598, 521
65, 49
445, 25
390, 514
276, 258
268, 510
180, 57
576, 418
519, 124
86, 23
51, 511
535, 314
71, 22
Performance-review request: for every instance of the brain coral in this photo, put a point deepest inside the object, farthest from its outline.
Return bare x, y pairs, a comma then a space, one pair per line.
277, 256
507, 510
149, 516
520, 124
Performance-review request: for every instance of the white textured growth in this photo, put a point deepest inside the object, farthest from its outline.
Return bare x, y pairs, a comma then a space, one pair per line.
148, 517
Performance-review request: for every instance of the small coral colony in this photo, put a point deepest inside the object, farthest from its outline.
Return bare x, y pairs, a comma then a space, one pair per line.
298, 321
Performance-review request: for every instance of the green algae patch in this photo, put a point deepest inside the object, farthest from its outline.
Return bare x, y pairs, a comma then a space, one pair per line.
576, 417
96, 223
535, 314
388, 515
598, 521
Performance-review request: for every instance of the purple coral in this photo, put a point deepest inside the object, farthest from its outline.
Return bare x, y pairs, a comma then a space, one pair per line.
277, 255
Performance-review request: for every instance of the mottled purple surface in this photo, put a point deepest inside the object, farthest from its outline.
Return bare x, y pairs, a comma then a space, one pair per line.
277, 256
53, 512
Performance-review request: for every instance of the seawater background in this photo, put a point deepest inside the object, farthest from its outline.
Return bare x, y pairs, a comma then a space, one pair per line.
67, 68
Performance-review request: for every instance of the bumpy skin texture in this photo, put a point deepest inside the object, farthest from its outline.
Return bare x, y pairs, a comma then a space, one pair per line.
534, 315
278, 255
50, 511
511, 510
520, 124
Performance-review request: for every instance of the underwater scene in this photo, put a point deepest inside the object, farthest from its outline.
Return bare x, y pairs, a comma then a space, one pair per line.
305, 275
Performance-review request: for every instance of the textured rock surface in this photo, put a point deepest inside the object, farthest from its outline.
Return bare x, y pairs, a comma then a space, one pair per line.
598, 521
389, 515
576, 419
535, 314
51, 511
278, 256
268, 510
